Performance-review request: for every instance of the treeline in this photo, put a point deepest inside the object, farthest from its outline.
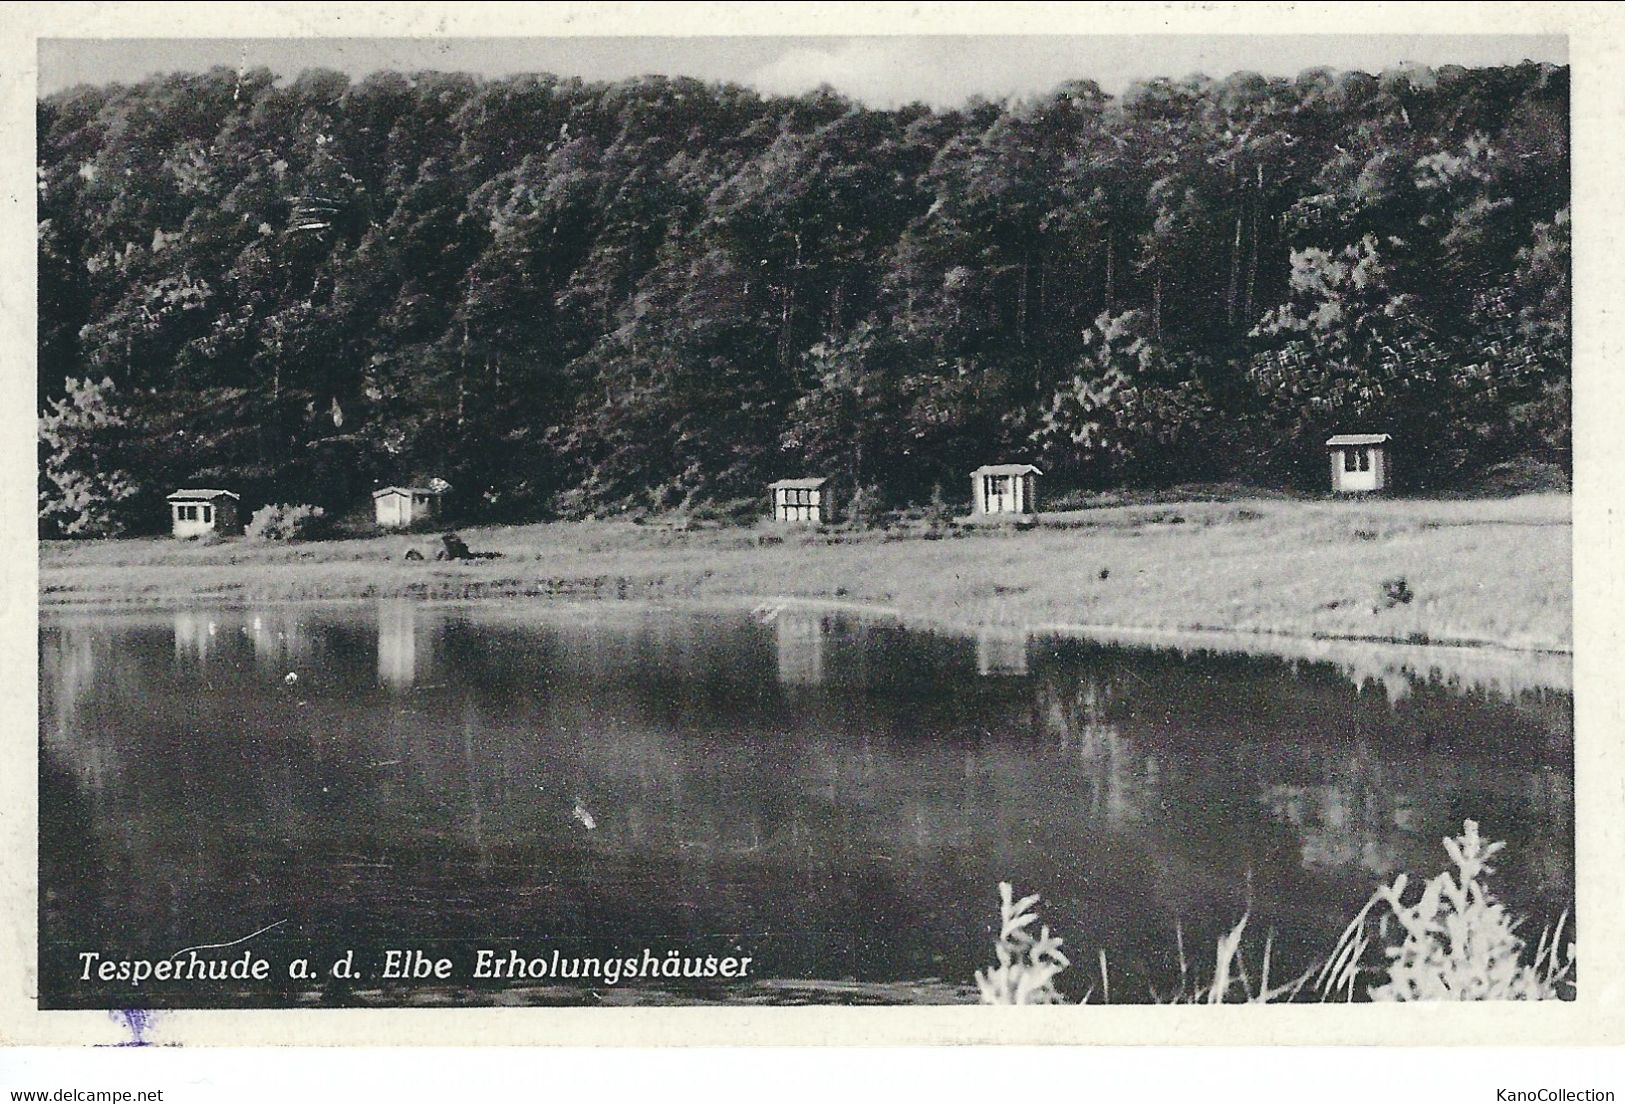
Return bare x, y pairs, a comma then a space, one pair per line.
565, 297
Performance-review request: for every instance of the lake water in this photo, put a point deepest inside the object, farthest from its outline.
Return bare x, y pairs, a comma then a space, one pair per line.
837, 799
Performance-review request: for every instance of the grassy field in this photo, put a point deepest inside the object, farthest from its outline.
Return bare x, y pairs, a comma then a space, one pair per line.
1482, 571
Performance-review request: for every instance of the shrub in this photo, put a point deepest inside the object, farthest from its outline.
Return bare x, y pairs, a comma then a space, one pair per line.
283, 522
1457, 942
86, 488
1524, 475
1027, 963
938, 514
865, 507
732, 511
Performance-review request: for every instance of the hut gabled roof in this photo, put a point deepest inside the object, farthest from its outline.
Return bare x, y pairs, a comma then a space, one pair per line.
1340, 439
1007, 469
811, 483
199, 494
382, 491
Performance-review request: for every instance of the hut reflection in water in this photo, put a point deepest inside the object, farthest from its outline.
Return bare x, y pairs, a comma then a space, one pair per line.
801, 639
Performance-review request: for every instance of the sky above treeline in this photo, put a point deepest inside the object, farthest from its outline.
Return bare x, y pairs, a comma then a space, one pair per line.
880, 71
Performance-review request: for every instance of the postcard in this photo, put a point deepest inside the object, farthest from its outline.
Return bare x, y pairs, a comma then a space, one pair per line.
603, 525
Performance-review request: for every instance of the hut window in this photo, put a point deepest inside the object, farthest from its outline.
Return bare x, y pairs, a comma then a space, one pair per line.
800, 496
1350, 461
208, 513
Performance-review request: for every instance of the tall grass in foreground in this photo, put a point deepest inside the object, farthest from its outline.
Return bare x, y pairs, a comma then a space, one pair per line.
1456, 942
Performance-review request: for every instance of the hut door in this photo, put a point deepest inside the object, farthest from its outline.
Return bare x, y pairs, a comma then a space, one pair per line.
999, 493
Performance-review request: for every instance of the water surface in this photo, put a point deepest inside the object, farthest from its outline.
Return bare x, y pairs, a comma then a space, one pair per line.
837, 799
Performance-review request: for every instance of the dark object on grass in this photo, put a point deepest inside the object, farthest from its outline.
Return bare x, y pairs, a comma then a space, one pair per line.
1397, 592
413, 554
455, 549
682, 524
1105, 571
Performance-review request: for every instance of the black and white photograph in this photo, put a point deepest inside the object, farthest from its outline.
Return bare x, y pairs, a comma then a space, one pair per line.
730, 521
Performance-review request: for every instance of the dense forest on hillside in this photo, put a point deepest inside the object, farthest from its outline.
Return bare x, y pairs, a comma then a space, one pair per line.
565, 297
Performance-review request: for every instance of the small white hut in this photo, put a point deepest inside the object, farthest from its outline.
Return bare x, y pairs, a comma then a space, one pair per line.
802, 500
1360, 462
1004, 489
399, 507
194, 511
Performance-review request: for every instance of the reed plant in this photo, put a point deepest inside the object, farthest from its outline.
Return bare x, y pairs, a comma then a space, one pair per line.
1027, 964
1456, 941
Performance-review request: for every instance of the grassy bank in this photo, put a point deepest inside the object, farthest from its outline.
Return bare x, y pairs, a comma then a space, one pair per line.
1487, 571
